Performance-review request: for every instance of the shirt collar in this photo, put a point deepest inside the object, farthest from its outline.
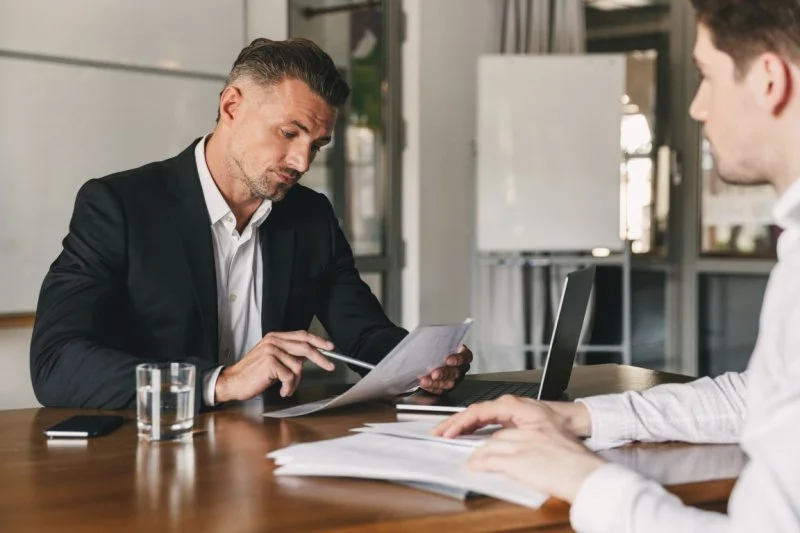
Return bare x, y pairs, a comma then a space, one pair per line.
215, 203
261, 213
217, 207
786, 211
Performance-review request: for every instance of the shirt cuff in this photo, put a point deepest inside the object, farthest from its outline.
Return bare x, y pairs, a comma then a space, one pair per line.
598, 505
210, 385
612, 418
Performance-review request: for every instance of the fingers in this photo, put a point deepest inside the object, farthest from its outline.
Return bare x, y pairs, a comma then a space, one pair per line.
440, 380
503, 444
294, 364
499, 464
514, 435
298, 348
495, 447
289, 380
302, 337
321, 361
439, 387
441, 374
476, 416
462, 357
494, 456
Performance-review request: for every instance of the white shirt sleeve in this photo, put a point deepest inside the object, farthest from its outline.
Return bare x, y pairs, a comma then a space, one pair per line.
706, 410
210, 385
766, 496
614, 499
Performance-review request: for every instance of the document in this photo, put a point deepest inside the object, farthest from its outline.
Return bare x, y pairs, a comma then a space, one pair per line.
376, 456
422, 351
406, 453
421, 429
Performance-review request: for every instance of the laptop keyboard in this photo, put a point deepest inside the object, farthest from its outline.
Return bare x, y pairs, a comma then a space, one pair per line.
528, 390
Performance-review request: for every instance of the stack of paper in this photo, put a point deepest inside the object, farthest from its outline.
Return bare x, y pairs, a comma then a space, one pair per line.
405, 452
376, 456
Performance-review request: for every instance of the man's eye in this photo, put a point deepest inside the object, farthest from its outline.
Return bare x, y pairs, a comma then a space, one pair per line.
288, 134
700, 79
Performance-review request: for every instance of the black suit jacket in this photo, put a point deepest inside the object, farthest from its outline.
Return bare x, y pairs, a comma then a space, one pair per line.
136, 283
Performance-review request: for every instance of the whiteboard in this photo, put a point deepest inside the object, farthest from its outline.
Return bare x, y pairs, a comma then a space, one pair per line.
549, 156
190, 35
63, 125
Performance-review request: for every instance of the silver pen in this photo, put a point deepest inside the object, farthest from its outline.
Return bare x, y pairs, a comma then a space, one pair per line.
345, 359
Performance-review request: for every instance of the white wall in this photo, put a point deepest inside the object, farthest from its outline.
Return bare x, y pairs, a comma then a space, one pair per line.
267, 18
16, 392
444, 40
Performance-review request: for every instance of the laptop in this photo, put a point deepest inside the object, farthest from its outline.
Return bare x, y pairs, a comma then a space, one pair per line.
557, 369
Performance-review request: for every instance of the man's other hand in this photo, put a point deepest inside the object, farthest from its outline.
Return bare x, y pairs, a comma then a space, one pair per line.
446, 377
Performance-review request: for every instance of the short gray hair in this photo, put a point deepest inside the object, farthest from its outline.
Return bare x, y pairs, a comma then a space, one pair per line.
270, 62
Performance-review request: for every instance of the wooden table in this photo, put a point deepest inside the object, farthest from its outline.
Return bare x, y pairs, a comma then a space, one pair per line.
221, 481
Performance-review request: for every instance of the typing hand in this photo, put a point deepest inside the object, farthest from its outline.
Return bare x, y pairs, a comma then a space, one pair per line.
446, 377
277, 357
516, 412
547, 458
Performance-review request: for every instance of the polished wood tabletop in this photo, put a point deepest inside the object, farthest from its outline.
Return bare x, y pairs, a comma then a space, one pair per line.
222, 481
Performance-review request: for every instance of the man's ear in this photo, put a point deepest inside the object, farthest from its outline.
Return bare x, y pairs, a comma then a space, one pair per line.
229, 103
770, 77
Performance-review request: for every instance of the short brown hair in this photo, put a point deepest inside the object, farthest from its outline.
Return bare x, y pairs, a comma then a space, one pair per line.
270, 62
743, 29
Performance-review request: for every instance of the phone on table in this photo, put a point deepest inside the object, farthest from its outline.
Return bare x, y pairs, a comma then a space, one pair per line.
84, 426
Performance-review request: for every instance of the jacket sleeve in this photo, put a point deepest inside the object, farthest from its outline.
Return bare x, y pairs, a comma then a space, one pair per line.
77, 353
349, 311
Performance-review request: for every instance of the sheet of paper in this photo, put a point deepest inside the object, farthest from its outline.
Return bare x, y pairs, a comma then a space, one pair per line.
421, 429
375, 456
406, 453
445, 490
423, 350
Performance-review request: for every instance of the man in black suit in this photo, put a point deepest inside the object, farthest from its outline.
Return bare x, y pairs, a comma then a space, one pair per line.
216, 257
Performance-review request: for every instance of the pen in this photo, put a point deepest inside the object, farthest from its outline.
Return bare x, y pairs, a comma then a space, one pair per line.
345, 359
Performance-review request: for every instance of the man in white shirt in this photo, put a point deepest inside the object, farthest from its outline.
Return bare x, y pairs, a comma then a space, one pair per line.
748, 53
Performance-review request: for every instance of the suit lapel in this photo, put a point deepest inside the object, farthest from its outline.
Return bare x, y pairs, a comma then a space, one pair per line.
190, 216
277, 252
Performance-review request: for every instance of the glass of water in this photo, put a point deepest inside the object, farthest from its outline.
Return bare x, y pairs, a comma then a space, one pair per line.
165, 401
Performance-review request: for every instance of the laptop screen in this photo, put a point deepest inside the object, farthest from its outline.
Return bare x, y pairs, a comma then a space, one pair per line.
566, 333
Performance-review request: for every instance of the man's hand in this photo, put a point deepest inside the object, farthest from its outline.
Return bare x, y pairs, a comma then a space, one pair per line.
446, 377
277, 357
516, 412
547, 458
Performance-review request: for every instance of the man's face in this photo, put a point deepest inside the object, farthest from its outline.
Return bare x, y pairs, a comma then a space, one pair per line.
276, 133
734, 122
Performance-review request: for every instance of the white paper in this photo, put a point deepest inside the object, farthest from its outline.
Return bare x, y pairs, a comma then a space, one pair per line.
375, 456
421, 429
406, 453
422, 351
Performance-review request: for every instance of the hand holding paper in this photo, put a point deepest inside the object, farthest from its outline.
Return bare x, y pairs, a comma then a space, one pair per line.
419, 354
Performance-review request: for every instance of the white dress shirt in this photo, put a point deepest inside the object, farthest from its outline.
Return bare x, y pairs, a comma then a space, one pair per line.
759, 408
237, 258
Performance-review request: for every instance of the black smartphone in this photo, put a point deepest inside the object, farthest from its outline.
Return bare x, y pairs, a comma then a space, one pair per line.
84, 426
